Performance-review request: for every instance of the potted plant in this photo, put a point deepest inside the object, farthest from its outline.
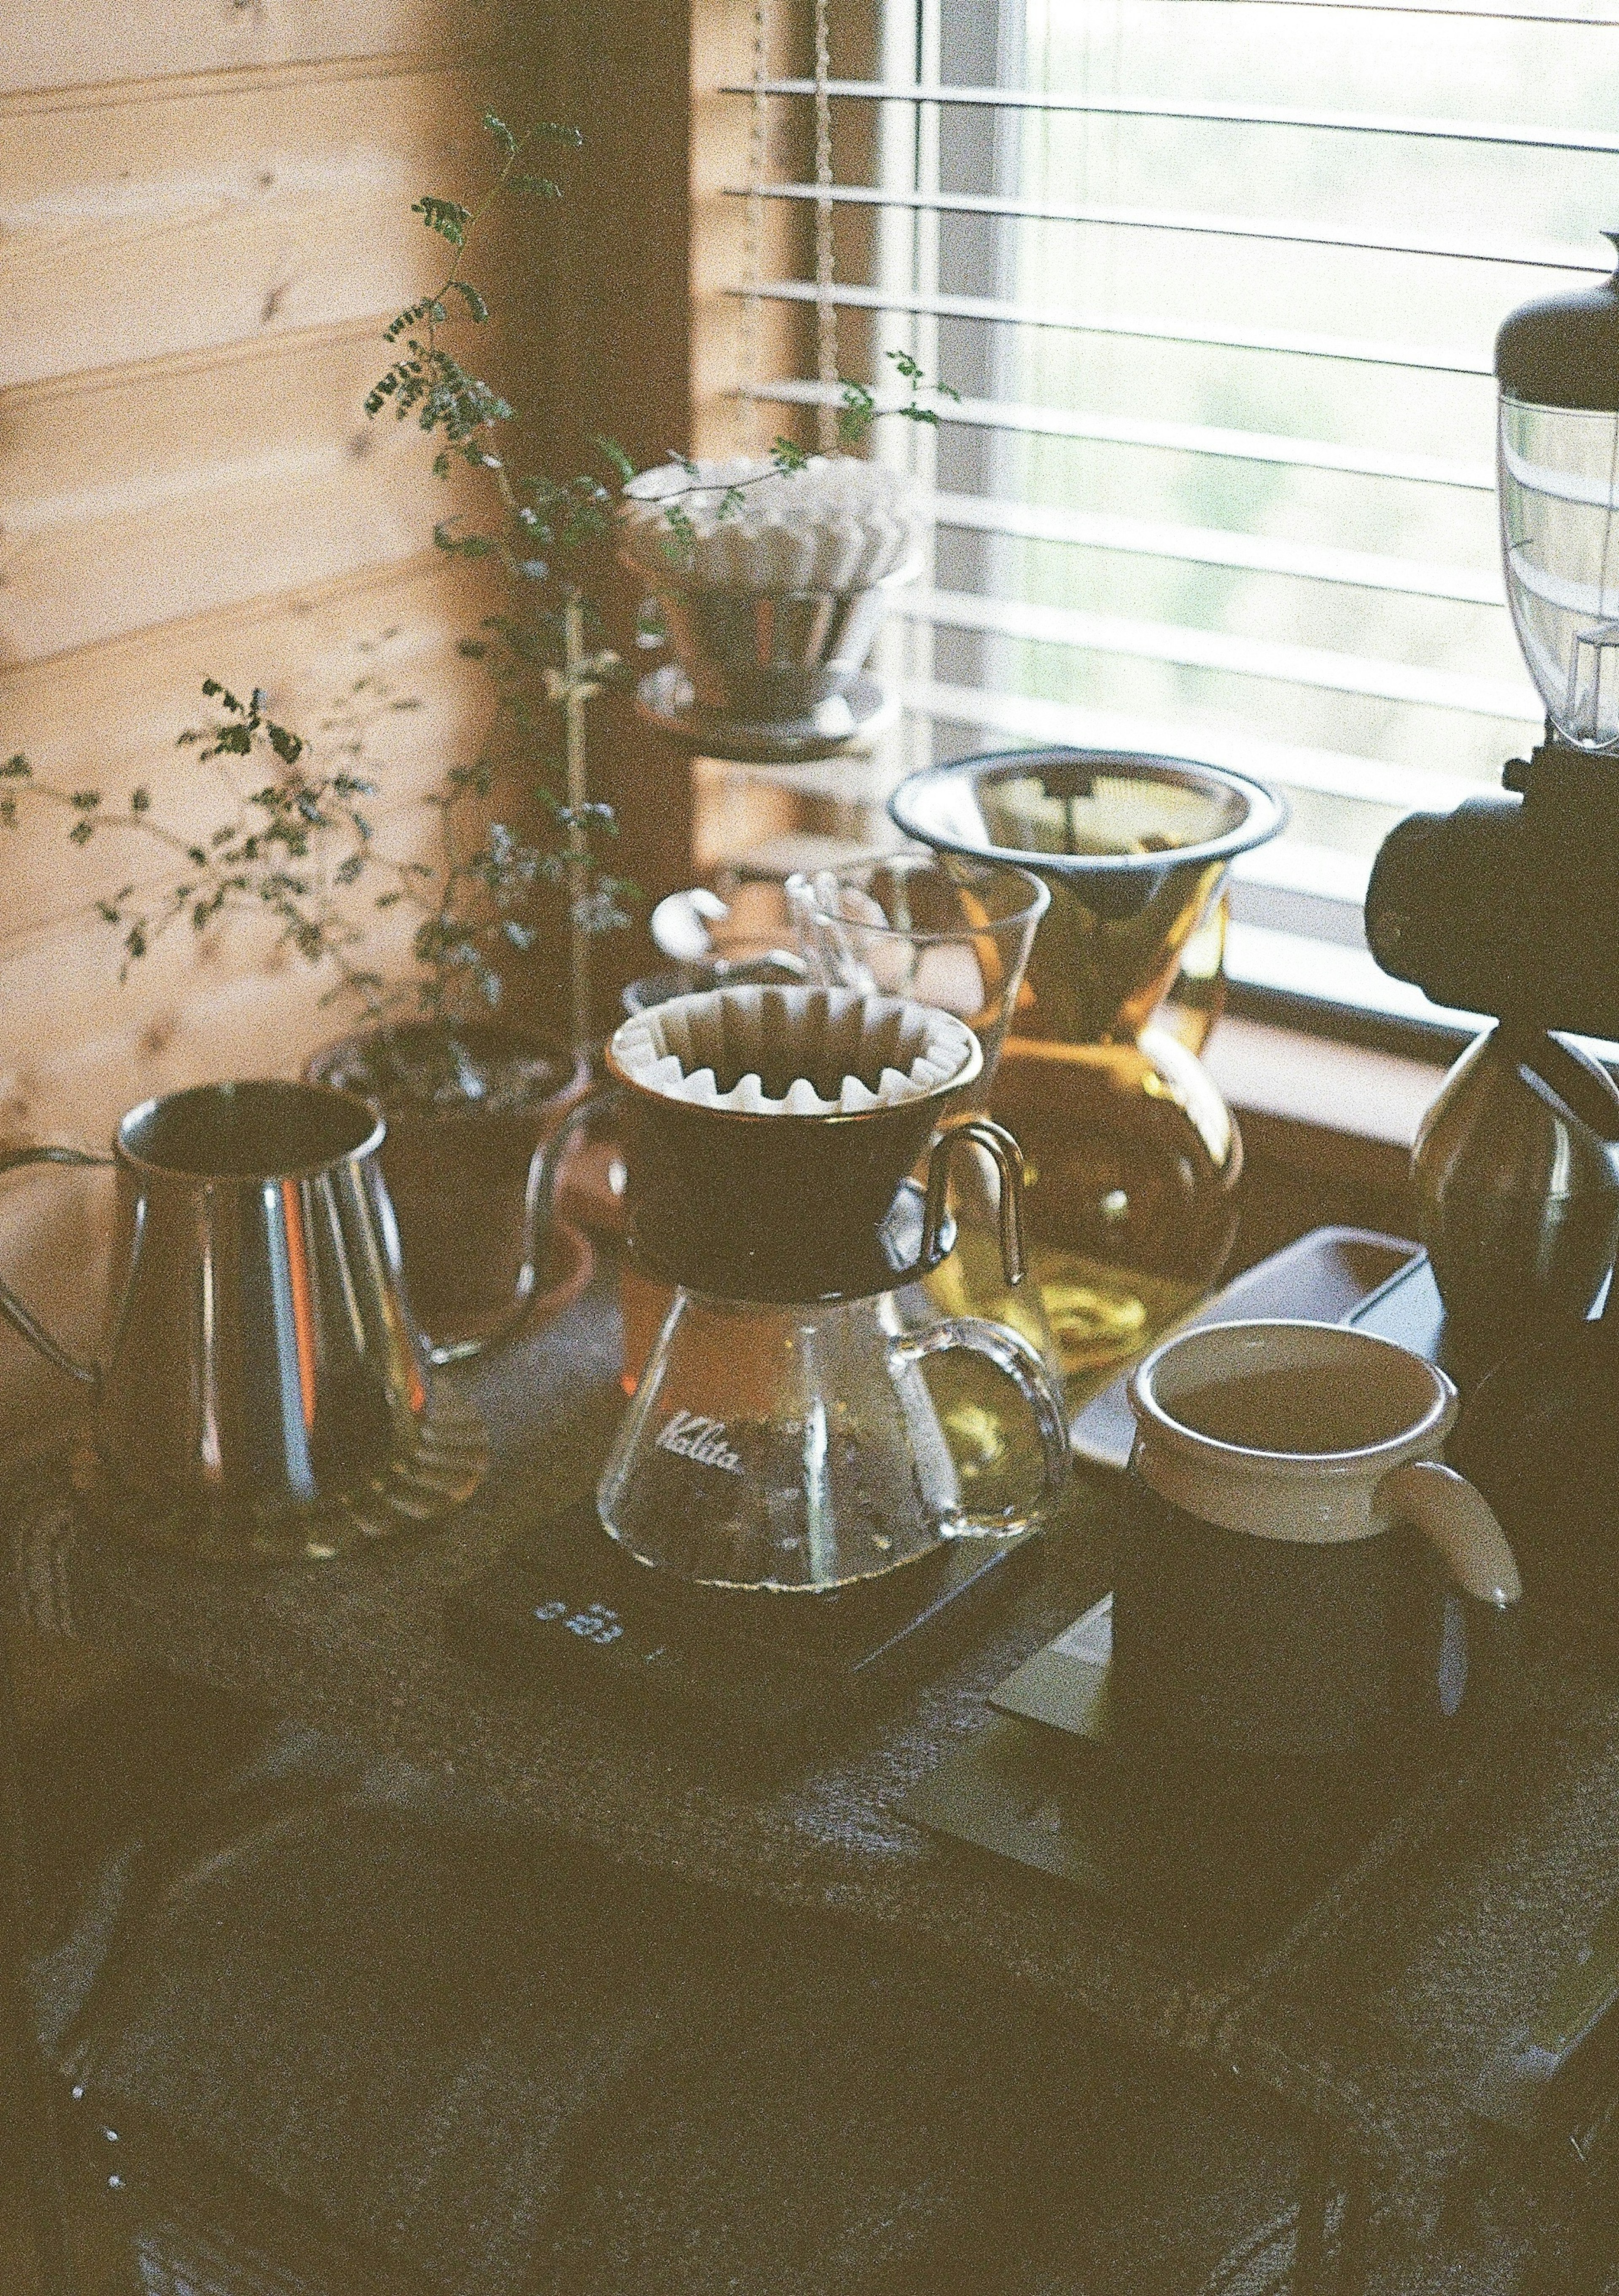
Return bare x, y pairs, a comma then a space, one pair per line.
470, 1098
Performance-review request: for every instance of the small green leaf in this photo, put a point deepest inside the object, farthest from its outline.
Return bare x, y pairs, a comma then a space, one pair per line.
448, 218
615, 454
140, 800
17, 768
493, 125
857, 413
477, 309
683, 534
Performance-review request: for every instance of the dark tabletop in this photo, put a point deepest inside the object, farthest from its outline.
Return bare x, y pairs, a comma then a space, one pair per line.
1381, 2005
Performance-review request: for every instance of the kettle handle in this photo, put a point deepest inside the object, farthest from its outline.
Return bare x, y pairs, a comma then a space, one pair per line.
1012, 1354
22, 1318
1007, 1158
536, 1219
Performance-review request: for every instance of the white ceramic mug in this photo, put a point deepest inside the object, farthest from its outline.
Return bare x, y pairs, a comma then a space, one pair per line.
1270, 1604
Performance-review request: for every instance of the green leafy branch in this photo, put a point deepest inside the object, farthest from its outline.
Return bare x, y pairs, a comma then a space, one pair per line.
540, 525
857, 412
299, 848
269, 858
860, 409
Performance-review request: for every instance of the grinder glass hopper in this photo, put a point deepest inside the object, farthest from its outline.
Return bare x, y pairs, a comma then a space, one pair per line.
789, 1432
1557, 445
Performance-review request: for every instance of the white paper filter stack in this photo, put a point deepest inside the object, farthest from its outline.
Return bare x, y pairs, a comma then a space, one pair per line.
794, 1051
838, 524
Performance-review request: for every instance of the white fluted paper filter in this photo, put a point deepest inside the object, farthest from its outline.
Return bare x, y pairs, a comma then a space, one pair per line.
794, 1051
838, 524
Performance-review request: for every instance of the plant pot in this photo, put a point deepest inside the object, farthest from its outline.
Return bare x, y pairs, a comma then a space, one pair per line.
459, 1169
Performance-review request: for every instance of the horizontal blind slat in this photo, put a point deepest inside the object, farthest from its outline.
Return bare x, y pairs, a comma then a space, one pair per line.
1216, 546
1233, 115
1466, 13
1324, 773
1272, 658
1174, 437
991, 310
1547, 257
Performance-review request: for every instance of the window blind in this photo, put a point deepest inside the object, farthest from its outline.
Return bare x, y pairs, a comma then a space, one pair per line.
1217, 282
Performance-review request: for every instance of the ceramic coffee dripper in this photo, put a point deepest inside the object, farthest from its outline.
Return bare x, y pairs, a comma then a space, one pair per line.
1273, 1620
791, 1432
266, 1394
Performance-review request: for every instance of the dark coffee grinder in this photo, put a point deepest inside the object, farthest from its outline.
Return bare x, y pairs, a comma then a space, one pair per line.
1511, 906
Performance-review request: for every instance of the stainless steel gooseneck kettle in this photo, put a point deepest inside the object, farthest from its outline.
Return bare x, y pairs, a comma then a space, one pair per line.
266, 1393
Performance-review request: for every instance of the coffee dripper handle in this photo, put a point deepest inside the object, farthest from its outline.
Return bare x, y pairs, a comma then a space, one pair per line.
1007, 1158
22, 1318
1012, 1354
535, 1219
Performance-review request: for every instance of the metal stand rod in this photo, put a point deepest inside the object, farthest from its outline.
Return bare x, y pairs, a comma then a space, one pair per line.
1317, 2270
1315, 2201
24, 2078
574, 695
1352, 2235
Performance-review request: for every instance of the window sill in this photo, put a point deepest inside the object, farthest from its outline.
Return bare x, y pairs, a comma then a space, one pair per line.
1338, 1111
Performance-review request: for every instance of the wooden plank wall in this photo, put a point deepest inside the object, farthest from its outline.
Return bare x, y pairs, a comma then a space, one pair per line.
203, 223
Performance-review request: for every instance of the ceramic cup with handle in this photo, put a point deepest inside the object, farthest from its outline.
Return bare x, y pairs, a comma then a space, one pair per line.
1297, 1566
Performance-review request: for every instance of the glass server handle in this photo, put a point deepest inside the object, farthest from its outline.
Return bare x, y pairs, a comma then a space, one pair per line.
1012, 1355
